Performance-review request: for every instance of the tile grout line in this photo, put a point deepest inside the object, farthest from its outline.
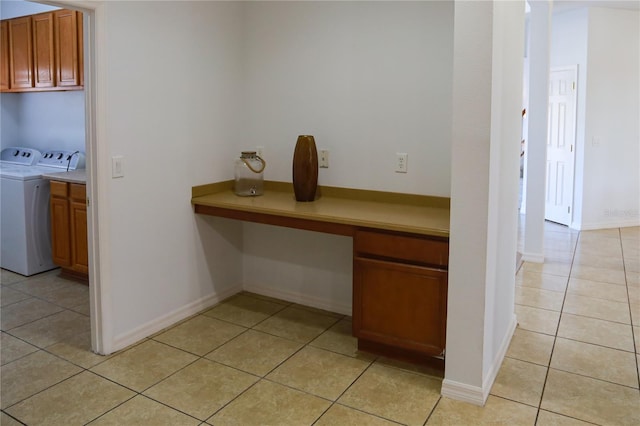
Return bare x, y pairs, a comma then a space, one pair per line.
555, 337
260, 378
633, 335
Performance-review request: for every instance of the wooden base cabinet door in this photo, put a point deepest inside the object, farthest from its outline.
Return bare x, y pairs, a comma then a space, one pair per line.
400, 305
78, 214
61, 248
79, 254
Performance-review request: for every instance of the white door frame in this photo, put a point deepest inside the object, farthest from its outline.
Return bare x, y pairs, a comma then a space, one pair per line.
97, 149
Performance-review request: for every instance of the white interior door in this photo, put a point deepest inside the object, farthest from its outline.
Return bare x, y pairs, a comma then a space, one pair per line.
561, 142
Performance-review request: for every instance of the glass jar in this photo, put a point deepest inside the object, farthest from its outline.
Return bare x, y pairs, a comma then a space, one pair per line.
249, 174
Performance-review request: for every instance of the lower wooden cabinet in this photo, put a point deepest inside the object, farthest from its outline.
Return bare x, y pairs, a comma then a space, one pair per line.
400, 293
69, 228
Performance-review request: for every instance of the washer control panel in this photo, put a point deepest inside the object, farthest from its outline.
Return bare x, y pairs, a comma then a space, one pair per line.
68, 160
20, 155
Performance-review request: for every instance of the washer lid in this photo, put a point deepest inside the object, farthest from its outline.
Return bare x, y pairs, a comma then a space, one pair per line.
14, 172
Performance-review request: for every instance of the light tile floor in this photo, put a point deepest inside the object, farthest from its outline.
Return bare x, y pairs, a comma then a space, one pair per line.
256, 360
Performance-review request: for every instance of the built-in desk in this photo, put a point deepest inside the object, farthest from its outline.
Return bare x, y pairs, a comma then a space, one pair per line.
401, 252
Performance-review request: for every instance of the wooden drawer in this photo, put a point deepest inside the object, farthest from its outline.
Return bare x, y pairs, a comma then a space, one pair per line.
78, 191
418, 249
58, 189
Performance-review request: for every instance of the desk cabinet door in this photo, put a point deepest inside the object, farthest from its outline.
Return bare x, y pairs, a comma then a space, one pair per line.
400, 305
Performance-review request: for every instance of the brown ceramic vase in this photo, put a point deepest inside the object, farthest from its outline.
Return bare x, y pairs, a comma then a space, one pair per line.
305, 168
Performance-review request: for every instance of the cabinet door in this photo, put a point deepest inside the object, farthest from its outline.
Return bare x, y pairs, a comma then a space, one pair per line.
67, 49
400, 305
20, 53
61, 247
79, 252
4, 55
80, 48
78, 213
43, 61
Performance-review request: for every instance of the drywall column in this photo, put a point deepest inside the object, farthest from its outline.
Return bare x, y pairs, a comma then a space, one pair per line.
538, 112
487, 88
469, 199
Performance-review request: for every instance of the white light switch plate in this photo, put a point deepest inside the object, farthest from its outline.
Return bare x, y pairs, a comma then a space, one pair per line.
117, 166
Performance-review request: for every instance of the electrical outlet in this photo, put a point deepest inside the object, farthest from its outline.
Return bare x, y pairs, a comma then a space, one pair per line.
401, 162
324, 159
260, 151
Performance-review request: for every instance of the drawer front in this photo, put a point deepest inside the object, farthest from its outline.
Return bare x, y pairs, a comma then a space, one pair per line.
402, 247
78, 191
58, 189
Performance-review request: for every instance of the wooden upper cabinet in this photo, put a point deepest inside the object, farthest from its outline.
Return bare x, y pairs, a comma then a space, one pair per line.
43, 50
4, 55
67, 48
20, 53
80, 26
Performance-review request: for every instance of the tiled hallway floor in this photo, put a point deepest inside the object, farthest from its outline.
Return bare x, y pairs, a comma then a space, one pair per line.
256, 360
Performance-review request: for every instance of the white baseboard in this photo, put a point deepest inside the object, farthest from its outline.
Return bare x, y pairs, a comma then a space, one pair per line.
126, 339
592, 226
462, 392
474, 394
487, 383
533, 257
302, 299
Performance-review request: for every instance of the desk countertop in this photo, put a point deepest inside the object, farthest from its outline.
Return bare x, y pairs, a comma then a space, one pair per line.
359, 208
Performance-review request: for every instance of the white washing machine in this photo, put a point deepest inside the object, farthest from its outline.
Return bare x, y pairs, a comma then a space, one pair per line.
25, 230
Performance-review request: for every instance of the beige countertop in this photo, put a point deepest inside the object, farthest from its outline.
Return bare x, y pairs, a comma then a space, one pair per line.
72, 176
359, 208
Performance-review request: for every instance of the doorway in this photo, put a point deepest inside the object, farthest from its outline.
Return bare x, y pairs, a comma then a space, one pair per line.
561, 142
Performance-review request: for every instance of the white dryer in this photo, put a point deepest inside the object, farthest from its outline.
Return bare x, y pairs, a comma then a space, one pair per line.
25, 231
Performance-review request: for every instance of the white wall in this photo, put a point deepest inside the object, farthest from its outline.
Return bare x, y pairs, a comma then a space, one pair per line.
8, 119
44, 120
169, 77
367, 79
612, 135
15, 8
569, 47
305, 267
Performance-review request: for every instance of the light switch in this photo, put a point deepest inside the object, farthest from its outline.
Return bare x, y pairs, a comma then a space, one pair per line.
117, 166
